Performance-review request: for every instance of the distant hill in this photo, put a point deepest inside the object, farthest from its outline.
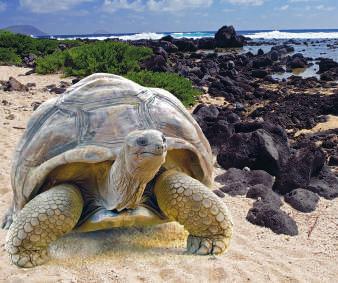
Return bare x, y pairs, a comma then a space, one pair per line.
25, 29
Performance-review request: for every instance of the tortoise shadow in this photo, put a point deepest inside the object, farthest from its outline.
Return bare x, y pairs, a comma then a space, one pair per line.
156, 240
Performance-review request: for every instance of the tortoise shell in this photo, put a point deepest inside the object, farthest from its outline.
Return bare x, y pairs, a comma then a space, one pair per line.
88, 124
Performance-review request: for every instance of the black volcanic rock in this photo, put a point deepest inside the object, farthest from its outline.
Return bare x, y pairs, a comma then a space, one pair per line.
299, 169
302, 200
264, 193
161, 51
238, 182
261, 62
14, 85
156, 63
330, 75
35, 105
215, 123
283, 49
217, 133
259, 150
203, 111
168, 46
58, 90
30, 60
257, 73
326, 64
207, 43
185, 45
274, 56
226, 37
233, 87
268, 215
333, 160
168, 38
302, 83
297, 61
209, 67
324, 184
298, 110
260, 52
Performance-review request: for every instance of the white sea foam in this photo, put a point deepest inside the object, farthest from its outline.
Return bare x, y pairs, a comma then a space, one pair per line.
144, 35
137, 36
254, 35
193, 35
292, 35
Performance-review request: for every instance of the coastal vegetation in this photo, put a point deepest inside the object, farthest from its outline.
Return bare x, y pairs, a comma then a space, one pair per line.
80, 59
8, 56
24, 45
181, 87
106, 57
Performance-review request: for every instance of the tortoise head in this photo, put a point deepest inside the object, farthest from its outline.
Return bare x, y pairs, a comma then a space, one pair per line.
145, 150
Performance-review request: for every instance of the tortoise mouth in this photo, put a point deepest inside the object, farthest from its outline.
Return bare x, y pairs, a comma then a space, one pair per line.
149, 153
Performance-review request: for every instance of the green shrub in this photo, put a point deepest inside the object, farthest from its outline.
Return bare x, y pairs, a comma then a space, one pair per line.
179, 86
50, 63
8, 56
24, 45
108, 57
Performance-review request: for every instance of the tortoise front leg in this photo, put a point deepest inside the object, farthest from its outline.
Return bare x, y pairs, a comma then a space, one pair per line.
193, 205
45, 218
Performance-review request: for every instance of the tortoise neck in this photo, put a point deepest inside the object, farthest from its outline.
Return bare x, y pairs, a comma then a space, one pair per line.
125, 189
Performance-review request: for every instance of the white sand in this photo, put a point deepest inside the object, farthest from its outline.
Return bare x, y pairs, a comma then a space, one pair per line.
156, 255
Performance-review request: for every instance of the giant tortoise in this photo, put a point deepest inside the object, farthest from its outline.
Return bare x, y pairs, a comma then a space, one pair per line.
111, 153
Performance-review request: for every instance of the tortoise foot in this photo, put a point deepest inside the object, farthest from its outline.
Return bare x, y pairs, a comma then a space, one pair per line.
45, 218
198, 209
206, 246
29, 258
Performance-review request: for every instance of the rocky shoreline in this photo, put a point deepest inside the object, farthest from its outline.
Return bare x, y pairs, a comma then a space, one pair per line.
253, 121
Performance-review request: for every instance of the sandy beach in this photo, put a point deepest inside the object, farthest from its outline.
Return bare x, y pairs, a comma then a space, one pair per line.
157, 254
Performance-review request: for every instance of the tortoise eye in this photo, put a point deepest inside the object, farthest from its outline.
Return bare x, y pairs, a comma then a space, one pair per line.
142, 141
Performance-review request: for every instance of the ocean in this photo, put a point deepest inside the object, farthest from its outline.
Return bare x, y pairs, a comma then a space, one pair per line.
254, 34
320, 42
312, 43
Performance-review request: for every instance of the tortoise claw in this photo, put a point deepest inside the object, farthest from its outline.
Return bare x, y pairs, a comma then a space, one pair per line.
7, 221
206, 246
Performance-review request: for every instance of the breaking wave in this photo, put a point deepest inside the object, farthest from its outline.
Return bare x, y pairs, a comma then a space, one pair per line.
292, 35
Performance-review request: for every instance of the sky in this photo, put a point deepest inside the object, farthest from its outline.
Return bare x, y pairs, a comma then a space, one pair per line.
120, 16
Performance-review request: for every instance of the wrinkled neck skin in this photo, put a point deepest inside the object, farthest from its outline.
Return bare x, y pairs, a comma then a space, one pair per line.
126, 182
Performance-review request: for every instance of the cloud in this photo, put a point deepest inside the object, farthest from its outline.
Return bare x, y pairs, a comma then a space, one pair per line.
245, 2
301, 1
154, 5
114, 5
321, 8
3, 6
284, 8
48, 6
176, 5
325, 8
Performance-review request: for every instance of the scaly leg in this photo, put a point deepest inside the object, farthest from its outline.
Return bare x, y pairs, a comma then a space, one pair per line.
195, 206
45, 218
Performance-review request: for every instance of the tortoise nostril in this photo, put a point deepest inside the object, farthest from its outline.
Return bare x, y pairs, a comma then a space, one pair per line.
160, 148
